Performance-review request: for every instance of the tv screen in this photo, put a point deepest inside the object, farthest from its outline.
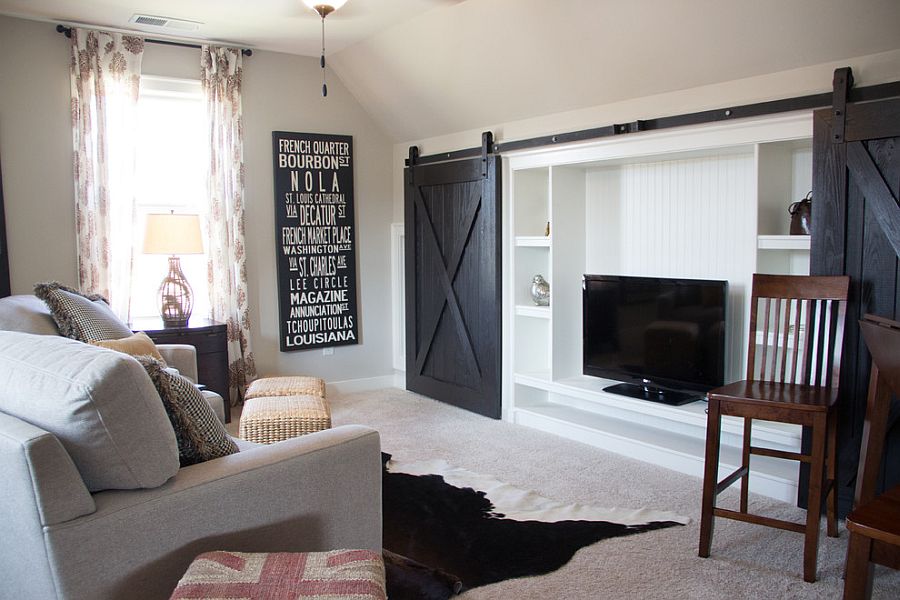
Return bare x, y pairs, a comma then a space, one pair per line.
664, 338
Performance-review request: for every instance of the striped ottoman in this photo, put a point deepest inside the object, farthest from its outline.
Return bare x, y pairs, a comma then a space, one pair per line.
335, 575
278, 408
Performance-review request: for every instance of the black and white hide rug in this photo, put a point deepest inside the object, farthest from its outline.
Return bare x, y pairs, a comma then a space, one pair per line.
484, 531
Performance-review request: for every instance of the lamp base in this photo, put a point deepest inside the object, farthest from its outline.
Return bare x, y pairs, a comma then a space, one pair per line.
167, 323
176, 296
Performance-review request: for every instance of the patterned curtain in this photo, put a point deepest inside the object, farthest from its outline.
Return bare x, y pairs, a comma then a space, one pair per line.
105, 81
221, 80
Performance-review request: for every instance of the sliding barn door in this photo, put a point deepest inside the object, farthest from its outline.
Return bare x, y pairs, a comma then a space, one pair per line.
856, 232
453, 253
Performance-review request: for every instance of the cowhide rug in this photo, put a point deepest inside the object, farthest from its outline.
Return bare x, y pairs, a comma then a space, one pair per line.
434, 515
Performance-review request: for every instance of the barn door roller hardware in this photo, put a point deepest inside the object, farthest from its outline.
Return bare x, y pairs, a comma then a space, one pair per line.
812, 101
487, 147
843, 81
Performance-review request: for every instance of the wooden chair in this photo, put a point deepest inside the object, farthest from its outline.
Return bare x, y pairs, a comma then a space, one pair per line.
793, 367
874, 524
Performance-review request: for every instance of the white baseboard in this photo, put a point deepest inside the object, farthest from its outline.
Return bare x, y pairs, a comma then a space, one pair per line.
351, 386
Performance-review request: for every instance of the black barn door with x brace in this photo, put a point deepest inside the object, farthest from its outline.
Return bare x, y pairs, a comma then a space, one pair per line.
453, 254
856, 232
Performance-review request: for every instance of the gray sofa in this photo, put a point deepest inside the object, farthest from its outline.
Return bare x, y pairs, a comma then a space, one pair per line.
94, 505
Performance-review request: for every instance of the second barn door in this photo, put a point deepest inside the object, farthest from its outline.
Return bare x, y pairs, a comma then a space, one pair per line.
453, 282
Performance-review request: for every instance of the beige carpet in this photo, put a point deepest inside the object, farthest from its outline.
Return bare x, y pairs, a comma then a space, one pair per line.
747, 561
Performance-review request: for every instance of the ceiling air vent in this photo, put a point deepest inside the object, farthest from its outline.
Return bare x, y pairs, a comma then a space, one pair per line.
165, 23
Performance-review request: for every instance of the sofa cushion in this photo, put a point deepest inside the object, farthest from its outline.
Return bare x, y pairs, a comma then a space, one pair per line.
201, 435
138, 344
80, 317
100, 404
26, 313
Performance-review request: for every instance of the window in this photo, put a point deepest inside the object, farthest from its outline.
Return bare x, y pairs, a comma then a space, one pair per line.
171, 157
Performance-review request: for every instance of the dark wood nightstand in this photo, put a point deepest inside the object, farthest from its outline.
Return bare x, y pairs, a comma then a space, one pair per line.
211, 341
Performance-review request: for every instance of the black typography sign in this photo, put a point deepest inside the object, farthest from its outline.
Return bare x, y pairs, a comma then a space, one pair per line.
314, 240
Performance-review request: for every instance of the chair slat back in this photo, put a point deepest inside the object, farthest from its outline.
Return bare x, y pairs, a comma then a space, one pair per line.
797, 329
882, 337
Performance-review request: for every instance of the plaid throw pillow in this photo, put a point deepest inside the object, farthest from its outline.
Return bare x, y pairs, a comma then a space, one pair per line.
200, 434
80, 317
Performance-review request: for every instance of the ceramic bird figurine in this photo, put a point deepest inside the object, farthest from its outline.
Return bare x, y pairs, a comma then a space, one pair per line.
540, 291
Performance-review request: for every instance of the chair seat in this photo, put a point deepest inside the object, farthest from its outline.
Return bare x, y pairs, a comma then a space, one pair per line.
765, 393
878, 519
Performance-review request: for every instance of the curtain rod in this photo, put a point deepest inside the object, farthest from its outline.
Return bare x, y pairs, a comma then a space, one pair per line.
67, 31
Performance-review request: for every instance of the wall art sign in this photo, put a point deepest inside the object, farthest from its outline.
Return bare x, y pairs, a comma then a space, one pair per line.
314, 238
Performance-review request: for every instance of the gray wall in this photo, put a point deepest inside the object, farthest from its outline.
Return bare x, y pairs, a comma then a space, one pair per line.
281, 92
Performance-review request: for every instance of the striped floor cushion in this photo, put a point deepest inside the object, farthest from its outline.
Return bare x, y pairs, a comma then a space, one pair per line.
332, 575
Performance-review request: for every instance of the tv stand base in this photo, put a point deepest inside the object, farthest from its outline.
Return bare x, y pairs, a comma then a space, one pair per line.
653, 394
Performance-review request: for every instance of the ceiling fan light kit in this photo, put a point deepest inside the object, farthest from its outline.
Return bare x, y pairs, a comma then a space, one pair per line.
324, 9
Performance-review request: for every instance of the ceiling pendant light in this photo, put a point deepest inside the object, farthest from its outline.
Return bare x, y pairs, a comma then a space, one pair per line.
324, 9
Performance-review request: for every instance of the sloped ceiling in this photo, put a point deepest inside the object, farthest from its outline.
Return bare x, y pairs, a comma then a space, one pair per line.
424, 68
483, 62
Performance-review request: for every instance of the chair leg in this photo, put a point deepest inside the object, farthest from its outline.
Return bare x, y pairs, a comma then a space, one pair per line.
858, 577
710, 476
831, 500
814, 508
745, 463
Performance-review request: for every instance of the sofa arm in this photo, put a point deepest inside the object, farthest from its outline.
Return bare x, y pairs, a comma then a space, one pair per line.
181, 356
316, 492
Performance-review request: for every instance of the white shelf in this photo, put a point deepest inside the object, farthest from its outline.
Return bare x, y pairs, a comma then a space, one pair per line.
609, 215
539, 312
533, 241
783, 242
536, 379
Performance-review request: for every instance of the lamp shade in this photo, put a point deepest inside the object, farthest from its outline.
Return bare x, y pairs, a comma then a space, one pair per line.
332, 4
173, 234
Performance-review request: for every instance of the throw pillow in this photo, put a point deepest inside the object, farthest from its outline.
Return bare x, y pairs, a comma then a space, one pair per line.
200, 434
80, 317
138, 344
99, 404
26, 313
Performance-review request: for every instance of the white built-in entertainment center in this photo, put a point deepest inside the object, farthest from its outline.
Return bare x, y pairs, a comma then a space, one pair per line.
706, 202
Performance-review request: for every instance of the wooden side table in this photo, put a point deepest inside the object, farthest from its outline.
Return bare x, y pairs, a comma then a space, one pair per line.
211, 341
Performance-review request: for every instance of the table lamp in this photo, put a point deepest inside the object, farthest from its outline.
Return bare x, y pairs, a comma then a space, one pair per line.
173, 235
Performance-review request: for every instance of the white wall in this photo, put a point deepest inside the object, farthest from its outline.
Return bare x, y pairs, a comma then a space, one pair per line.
36, 153
281, 92
867, 70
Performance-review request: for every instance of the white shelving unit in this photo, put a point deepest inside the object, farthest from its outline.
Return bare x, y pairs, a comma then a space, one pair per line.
708, 202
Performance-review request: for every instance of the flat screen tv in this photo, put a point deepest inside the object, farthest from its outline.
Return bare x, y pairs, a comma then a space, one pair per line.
663, 338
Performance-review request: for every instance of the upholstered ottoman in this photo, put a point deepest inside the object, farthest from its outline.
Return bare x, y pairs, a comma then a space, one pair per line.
270, 419
298, 385
336, 574
278, 408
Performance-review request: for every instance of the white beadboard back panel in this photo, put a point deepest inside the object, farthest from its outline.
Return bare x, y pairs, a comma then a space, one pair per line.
691, 218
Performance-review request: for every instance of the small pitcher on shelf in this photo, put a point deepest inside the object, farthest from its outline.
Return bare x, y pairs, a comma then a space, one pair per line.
801, 215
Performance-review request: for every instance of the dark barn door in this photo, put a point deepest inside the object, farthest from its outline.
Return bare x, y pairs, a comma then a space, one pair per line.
856, 231
452, 221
